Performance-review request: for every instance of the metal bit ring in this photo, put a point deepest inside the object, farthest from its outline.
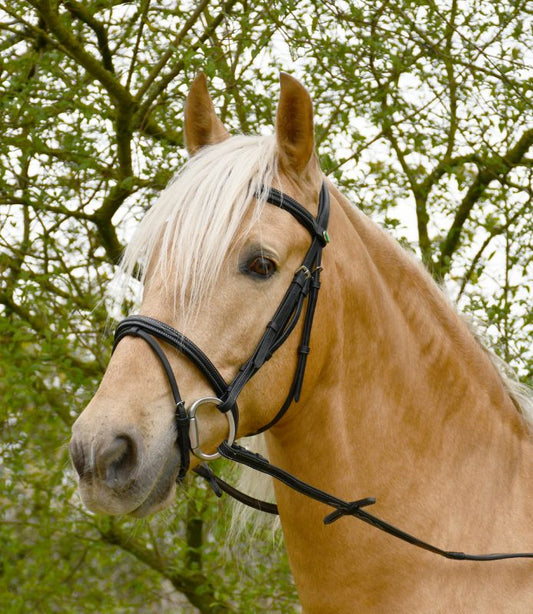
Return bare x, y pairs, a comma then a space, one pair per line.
194, 435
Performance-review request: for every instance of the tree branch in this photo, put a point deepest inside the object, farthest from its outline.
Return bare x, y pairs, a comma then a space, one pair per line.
495, 168
75, 49
156, 89
41, 327
228, 71
143, 12
452, 83
185, 581
81, 12
174, 45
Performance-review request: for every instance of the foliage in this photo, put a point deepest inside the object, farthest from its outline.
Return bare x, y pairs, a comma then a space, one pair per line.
422, 118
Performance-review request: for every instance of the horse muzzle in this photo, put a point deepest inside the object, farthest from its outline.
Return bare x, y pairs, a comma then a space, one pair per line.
119, 475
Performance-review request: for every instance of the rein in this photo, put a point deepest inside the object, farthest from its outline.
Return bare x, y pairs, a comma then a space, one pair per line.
303, 288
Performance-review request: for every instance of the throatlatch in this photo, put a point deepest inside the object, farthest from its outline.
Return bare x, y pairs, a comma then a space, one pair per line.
304, 287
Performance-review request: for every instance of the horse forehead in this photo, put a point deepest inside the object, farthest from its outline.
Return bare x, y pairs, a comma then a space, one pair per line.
274, 223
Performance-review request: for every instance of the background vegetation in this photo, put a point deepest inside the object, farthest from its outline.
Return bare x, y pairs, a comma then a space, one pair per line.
422, 118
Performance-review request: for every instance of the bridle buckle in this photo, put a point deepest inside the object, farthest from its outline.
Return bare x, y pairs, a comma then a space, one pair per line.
305, 270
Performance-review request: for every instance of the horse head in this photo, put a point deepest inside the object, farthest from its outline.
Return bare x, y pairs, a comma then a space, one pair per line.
216, 262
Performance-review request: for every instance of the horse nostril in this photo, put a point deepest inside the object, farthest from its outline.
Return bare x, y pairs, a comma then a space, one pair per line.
115, 463
78, 457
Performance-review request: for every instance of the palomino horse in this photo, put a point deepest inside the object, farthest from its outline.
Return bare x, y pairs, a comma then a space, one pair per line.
398, 401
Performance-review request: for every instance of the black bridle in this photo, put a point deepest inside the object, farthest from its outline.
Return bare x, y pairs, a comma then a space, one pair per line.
303, 288
305, 285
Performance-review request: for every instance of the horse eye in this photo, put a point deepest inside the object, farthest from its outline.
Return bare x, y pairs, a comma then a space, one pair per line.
261, 266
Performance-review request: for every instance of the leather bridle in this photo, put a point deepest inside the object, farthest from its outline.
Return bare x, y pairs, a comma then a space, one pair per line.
305, 284
304, 287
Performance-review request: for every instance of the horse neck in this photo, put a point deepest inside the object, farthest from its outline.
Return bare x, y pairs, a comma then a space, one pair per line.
405, 405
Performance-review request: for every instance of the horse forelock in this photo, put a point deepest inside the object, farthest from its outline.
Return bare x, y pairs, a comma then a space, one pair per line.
186, 235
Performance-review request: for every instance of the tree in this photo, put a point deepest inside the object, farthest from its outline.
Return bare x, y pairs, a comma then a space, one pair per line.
429, 101
422, 118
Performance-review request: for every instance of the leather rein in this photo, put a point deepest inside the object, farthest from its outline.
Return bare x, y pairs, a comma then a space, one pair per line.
303, 289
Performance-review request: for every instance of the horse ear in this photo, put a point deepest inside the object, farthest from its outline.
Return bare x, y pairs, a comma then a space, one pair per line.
202, 126
294, 125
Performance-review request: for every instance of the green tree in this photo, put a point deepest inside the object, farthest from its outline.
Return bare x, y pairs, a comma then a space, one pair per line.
427, 111
422, 118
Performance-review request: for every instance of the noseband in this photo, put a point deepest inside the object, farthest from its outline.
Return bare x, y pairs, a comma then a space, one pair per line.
305, 285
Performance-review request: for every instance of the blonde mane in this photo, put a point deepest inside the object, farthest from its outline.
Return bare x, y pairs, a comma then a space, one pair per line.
520, 394
187, 233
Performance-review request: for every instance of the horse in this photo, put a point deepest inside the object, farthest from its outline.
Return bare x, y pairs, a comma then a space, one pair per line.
398, 398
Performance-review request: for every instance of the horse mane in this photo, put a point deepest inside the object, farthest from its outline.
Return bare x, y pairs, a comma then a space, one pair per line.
244, 519
520, 394
187, 233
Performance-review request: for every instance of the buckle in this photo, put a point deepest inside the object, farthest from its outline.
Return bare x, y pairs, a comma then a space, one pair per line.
306, 271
